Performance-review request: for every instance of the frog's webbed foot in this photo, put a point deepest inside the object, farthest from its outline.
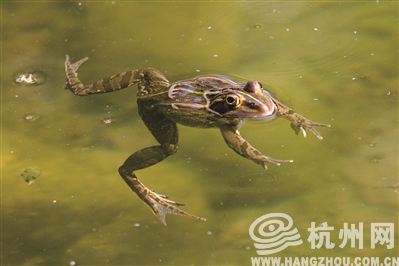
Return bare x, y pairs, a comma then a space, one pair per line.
300, 123
72, 82
74, 67
160, 204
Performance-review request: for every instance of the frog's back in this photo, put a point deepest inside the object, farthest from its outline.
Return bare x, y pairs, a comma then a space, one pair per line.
189, 102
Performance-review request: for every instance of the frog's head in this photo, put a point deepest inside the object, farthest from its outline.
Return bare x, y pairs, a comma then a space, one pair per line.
249, 101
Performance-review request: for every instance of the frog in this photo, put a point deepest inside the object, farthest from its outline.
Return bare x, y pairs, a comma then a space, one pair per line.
210, 101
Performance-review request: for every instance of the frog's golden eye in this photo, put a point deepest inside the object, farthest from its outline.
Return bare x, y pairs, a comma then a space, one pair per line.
233, 100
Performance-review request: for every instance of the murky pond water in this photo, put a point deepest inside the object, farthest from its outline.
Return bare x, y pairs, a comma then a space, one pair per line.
334, 63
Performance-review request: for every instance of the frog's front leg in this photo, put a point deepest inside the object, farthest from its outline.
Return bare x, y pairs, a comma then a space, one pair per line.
298, 122
242, 147
165, 131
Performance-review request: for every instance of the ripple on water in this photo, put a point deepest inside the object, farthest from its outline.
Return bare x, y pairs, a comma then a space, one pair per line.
251, 181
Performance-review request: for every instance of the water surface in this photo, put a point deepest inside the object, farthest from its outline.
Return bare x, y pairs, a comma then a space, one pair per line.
334, 63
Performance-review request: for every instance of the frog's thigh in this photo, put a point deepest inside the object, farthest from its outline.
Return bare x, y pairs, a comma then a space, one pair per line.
163, 129
165, 132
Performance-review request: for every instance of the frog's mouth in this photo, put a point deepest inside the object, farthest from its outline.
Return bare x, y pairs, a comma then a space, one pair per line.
248, 115
266, 112
266, 117
249, 111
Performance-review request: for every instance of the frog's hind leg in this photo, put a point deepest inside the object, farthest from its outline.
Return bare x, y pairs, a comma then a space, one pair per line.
110, 84
165, 131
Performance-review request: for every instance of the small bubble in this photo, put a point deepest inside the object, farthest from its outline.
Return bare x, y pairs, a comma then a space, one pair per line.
316, 29
257, 26
72, 263
136, 224
287, 29
108, 121
31, 117
209, 233
215, 55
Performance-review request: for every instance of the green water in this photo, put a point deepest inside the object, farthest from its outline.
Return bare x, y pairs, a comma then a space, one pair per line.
334, 63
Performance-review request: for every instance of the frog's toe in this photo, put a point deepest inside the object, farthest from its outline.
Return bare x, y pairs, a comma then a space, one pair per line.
165, 199
161, 206
74, 66
320, 125
274, 161
308, 125
174, 203
304, 132
314, 131
160, 195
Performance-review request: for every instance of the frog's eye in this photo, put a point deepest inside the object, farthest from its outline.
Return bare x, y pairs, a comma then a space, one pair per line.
233, 100
253, 86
